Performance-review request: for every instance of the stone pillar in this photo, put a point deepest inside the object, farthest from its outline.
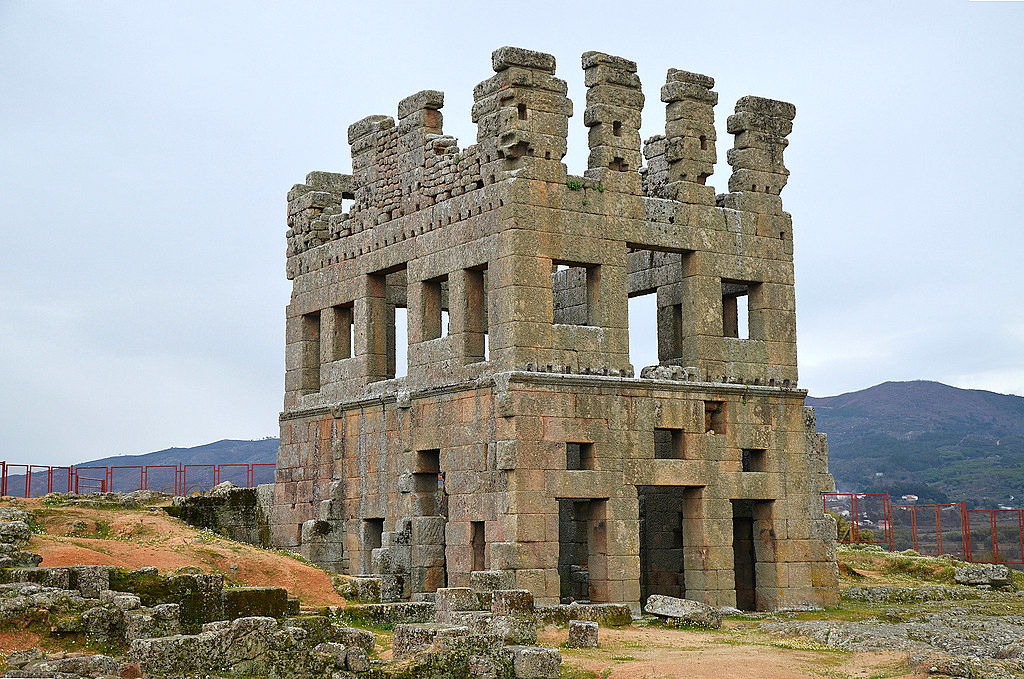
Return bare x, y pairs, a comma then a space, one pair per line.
418, 115
614, 104
362, 137
689, 136
522, 115
761, 126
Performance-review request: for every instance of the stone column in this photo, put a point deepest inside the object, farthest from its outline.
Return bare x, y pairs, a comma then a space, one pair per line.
614, 104
522, 115
689, 136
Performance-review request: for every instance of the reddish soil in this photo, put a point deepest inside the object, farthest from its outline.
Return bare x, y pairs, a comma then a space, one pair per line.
138, 538
658, 653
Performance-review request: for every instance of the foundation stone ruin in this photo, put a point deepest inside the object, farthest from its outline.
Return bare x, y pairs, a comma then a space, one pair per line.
517, 441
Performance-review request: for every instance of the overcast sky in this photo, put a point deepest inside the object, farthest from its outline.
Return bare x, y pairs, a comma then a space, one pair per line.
146, 149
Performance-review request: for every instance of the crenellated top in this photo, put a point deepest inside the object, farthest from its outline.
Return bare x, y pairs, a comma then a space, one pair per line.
522, 111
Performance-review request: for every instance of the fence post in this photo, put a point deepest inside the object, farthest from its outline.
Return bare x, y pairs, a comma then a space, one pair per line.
995, 538
888, 519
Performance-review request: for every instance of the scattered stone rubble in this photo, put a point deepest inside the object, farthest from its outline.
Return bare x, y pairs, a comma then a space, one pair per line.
980, 640
985, 576
187, 625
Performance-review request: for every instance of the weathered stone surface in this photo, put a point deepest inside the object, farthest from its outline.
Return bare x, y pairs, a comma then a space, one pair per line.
15, 532
504, 57
413, 638
512, 602
536, 663
993, 575
606, 615
358, 589
512, 629
683, 611
241, 602
582, 634
450, 600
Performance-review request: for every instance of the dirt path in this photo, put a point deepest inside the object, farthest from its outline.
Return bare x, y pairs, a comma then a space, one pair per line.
656, 653
139, 538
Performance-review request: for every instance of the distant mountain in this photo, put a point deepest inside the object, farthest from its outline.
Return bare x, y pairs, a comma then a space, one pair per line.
930, 439
221, 452
228, 451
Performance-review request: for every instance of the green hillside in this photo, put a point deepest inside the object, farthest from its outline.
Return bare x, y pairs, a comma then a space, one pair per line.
935, 441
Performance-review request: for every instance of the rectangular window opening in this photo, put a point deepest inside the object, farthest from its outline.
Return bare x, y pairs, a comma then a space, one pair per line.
579, 456
654, 283
714, 417
428, 461
428, 483
643, 330
434, 303
754, 460
669, 444
399, 350
583, 550
478, 542
476, 315
387, 324
736, 308
665, 512
574, 289
744, 554
311, 352
343, 341
373, 535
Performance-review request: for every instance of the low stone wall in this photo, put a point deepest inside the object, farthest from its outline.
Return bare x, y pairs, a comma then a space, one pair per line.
240, 514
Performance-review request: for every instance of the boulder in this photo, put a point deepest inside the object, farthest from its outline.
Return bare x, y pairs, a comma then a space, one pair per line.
683, 611
991, 575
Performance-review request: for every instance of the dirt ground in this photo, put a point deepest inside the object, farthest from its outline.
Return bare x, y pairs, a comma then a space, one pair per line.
732, 653
139, 538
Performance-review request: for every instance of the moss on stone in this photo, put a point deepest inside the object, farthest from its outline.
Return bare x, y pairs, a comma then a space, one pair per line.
241, 602
199, 596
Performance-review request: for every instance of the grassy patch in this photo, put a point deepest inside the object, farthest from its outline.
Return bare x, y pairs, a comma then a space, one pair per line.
569, 672
920, 568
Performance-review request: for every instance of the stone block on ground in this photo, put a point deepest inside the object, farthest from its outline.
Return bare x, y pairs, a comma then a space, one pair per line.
512, 602
241, 602
448, 601
489, 581
412, 638
992, 575
358, 589
684, 611
531, 662
582, 634
607, 615
91, 580
15, 532
513, 629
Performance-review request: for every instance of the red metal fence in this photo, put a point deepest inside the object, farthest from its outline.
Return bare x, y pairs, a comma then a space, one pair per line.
35, 480
976, 535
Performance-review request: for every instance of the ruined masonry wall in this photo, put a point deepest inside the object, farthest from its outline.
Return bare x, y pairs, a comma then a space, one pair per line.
514, 278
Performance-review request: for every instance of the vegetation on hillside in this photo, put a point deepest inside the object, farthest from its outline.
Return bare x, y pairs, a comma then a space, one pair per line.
938, 442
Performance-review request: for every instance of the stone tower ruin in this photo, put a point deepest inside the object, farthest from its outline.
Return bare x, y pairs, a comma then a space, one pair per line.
519, 438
